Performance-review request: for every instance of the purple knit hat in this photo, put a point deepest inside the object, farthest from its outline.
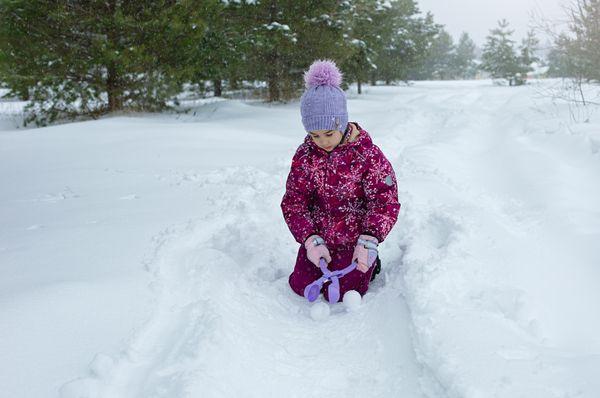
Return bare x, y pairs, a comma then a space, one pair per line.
323, 104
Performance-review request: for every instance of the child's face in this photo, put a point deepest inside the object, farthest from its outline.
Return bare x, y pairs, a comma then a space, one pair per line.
326, 139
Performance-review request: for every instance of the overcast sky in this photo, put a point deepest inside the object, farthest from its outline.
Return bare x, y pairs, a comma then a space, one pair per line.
477, 17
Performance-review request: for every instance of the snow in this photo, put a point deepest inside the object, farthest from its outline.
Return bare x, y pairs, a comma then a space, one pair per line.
319, 311
277, 26
146, 256
357, 42
11, 110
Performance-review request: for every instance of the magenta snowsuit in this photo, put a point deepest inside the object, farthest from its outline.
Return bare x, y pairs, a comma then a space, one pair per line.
339, 195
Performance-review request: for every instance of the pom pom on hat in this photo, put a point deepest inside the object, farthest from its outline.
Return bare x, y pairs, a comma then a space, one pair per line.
323, 73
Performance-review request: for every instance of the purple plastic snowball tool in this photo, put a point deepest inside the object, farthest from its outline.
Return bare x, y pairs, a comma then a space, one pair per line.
312, 291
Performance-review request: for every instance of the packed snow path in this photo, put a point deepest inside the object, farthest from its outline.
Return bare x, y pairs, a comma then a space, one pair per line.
489, 283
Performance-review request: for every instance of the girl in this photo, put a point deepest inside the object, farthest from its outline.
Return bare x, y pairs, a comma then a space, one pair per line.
340, 189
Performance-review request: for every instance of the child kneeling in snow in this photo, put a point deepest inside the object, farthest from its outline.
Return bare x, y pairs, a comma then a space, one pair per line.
341, 188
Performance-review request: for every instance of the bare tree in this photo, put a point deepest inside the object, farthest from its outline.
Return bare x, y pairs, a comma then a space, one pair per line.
576, 53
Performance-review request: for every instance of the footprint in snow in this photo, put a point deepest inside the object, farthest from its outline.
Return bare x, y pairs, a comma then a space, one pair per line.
269, 274
100, 370
440, 230
67, 193
129, 197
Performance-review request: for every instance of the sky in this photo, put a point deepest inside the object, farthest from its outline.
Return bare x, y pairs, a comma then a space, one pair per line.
477, 17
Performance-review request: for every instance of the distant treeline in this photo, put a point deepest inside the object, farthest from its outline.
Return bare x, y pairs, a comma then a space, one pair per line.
71, 58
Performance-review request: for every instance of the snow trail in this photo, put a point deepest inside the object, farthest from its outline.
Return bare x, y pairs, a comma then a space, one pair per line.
227, 323
459, 310
493, 198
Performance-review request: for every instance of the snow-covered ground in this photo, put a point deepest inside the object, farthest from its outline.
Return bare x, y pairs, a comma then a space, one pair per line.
146, 256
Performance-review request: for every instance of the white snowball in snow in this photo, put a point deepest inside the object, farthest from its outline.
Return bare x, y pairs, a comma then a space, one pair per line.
319, 311
352, 299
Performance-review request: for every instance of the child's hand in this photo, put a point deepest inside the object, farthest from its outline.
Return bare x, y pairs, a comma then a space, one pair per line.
362, 267
361, 253
315, 249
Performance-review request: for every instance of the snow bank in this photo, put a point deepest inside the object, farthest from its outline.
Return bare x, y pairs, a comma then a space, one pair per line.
501, 216
147, 256
11, 111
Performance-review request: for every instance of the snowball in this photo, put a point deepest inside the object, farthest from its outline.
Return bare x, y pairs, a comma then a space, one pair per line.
319, 311
352, 300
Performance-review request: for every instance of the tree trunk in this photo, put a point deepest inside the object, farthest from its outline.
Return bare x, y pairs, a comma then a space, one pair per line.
273, 78
218, 87
112, 89
359, 86
272, 59
115, 102
273, 88
23, 93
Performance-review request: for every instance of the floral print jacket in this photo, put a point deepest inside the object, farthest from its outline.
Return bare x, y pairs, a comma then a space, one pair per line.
342, 194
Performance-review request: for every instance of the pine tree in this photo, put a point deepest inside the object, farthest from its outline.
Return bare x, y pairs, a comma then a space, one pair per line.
581, 46
285, 36
499, 57
405, 37
560, 64
463, 62
438, 64
72, 58
220, 54
527, 56
361, 40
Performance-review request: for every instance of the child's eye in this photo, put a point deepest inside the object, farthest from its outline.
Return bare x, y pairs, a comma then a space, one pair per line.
328, 135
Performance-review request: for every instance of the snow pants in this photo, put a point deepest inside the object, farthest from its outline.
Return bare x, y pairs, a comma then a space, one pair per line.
306, 272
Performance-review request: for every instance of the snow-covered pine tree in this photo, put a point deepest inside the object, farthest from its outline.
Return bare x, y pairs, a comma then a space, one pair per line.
88, 58
560, 64
580, 45
499, 57
362, 40
320, 35
463, 62
285, 36
438, 63
527, 56
18, 48
220, 55
405, 37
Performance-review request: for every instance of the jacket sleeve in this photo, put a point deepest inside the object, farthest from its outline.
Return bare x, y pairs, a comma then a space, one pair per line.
296, 200
381, 190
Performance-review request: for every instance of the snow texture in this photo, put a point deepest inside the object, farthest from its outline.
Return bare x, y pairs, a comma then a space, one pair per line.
147, 256
319, 311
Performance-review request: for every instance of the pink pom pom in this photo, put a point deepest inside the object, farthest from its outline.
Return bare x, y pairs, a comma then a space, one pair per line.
323, 72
